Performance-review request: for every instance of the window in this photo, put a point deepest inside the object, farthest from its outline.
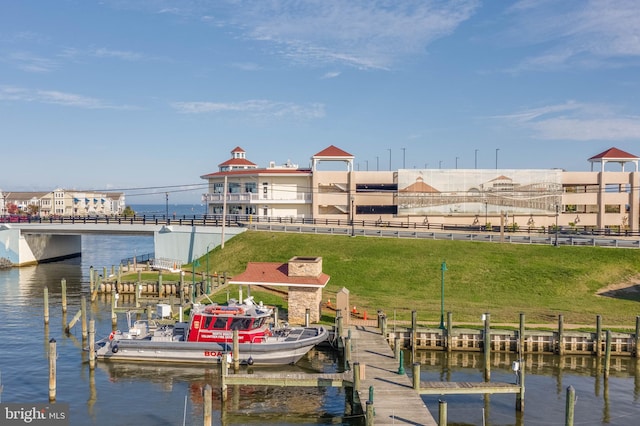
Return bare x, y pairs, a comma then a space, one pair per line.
251, 187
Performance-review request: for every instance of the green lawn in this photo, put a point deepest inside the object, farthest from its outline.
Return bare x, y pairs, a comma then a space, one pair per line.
401, 275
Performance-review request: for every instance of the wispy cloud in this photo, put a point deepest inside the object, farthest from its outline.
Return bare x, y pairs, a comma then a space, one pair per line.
31, 63
576, 121
18, 94
360, 33
589, 33
331, 74
117, 54
258, 108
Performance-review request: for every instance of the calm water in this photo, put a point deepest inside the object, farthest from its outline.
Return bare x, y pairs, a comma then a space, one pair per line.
150, 395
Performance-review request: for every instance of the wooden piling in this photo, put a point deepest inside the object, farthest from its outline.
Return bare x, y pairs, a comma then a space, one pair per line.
607, 355
160, 285
63, 287
560, 347
449, 338
73, 321
356, 379
347, 352
224, 369
307, 316
487, 347
521, 348
91, 279
46, 305
92, 338
596, 341
636, 338
370, 413
571, 401
83, 316
397, 347
114, 318
521, 377
206, 394
52, 369
236, 351
416, 376
442, 413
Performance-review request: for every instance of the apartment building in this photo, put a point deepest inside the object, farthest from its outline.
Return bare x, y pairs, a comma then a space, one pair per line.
62, 202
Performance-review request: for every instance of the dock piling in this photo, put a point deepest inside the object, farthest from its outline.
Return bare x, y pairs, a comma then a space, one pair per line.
206, 394
571, 401
52, 369
442, 413
46, 305
487, 347
607, 355
92, 338
63, 287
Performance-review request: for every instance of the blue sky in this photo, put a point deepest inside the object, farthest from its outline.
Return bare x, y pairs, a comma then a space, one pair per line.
147, 96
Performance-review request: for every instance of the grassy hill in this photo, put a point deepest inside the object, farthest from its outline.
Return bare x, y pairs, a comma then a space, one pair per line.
401, 275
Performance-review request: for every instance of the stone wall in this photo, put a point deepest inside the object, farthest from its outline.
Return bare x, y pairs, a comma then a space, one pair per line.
301, 298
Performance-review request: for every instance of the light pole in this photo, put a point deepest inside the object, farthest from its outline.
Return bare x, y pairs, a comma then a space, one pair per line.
166, 196
443, 268
367, 161
404, 156
476, 157
193, 277
208, 275
389, 149
377, 163
457, 162
557, 213
486, 214
353, 216
497, 149
440, 164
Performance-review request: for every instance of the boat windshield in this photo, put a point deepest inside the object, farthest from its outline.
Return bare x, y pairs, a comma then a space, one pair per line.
219, 324
240, 323
258, 322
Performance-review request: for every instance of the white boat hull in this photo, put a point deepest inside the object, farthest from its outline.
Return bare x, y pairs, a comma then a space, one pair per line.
274, 351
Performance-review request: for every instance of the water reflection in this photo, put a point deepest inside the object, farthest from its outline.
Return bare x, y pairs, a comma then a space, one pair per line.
547, 378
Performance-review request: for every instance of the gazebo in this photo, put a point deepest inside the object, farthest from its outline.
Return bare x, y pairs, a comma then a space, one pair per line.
302, 276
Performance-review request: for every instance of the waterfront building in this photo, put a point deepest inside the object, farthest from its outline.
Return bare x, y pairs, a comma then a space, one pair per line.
527, 199
63, 202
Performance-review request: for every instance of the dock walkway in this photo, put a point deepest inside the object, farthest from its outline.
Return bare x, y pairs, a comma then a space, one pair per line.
394, 400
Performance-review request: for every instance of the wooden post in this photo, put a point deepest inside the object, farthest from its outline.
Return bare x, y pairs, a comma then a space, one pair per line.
236, 351
307, 316
383, 328
92, 279
560, 347
521, 348
636, 338
596, 342
487, 347
275, 317
449, 340
571, 401
63, 286
442, 413
347, 352
356, 379
46, 305
607, 354
223, 376
83, 316
92, 338
370, 413
416, 376
414, 333
339, 328
114, 319
181, 289
206, 394
52, 369
396, 348
520, 396
160, 288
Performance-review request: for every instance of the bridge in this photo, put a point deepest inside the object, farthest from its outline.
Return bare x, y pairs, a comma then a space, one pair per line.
24, 244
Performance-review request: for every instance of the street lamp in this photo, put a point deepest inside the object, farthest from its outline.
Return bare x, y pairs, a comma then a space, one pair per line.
557, 213
476, 157
443, 268
208, 275
389, 149
486, 214
440, 164
457, 163
166, 195
497, 149
404, 152
353, 216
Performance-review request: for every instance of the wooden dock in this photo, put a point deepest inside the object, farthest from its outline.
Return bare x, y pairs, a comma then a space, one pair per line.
395, 401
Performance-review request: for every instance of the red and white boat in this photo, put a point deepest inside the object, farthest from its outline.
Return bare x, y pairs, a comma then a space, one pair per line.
208, 335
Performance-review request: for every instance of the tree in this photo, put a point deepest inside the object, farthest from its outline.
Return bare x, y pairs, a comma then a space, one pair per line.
128, 211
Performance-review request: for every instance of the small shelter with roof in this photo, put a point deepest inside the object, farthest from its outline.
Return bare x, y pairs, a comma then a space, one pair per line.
302, 276
614, 155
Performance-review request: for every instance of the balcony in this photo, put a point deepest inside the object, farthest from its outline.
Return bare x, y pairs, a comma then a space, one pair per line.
255, 198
